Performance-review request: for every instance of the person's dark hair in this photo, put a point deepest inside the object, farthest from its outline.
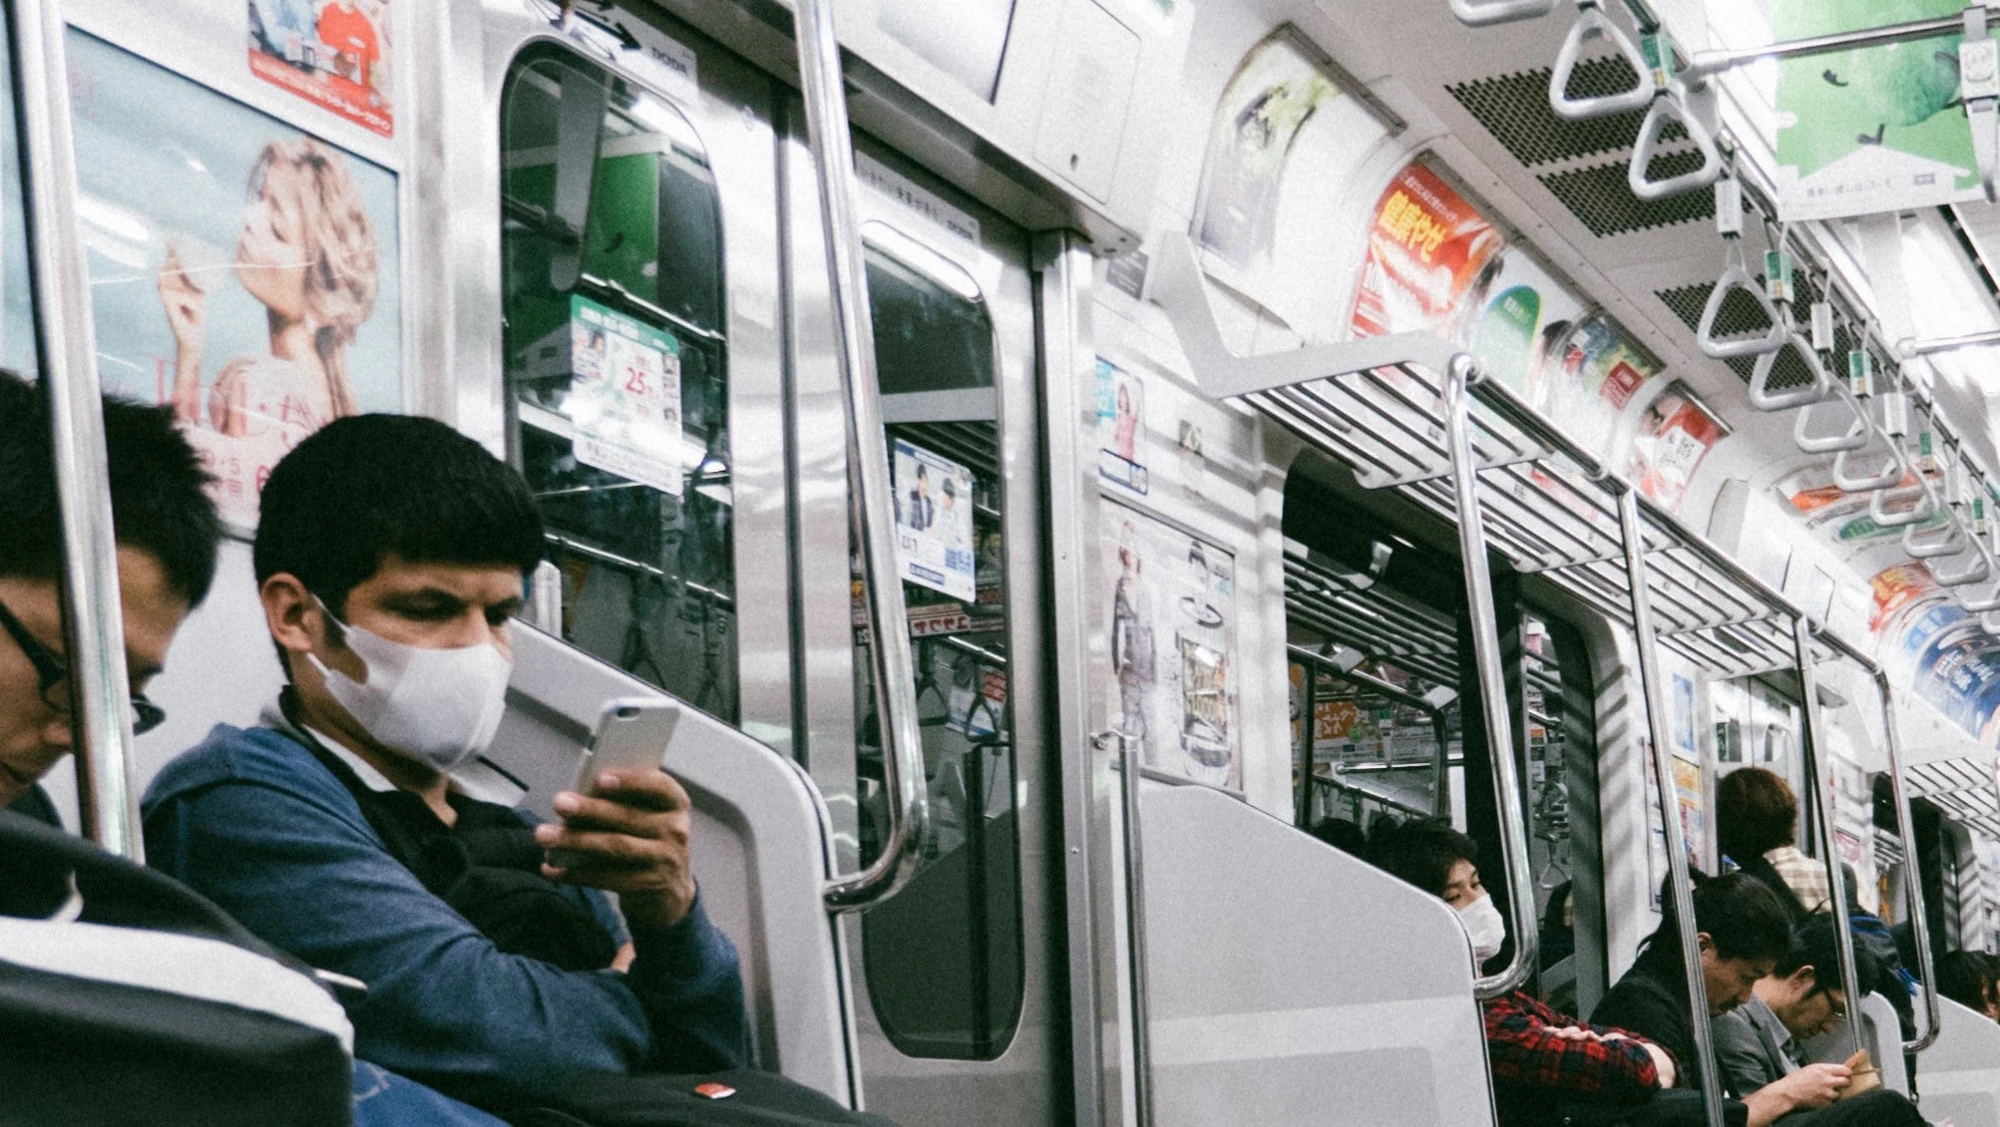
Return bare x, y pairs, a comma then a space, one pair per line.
1743, 917
159, 499
1342, 835
1421, 851
1965, 978
1813, 945
367, 487
1755, 812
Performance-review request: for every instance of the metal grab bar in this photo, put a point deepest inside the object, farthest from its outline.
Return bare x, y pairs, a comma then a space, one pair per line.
1913, 891
93, 625
868, 468
1978, 571
1735, 275
1764, 399
1486, 13
1591, 22
1890, 474
1458, 378
1855, 438
1131, 774
1921, 511
1440, 724
1812, 724
1670, 103
1651, 684
1950, 543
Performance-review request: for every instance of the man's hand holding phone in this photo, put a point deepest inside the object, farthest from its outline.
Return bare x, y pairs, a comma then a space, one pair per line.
629, 836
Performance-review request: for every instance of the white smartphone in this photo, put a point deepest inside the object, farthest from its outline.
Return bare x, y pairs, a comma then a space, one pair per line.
632, 735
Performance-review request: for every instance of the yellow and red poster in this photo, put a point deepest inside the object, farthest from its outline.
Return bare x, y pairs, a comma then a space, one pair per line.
1431, 257
333, 53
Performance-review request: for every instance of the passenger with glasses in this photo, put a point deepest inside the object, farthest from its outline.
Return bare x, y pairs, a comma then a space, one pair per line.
1759, 1043
167, 534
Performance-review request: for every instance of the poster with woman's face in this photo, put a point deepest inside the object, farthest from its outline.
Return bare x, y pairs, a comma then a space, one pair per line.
241, 270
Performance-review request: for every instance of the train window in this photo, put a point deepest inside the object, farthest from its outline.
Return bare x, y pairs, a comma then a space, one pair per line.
17, 315
944, 956
617, 361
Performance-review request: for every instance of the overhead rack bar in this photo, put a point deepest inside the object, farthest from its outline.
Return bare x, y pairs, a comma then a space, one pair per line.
1717, 60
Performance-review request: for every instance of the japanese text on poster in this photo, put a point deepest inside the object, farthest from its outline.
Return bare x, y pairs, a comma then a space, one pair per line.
934, 521
625, 396
1677, 432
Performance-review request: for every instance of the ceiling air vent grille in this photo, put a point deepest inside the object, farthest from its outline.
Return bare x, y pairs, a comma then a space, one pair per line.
1514, 108
1741, 316
1597, 195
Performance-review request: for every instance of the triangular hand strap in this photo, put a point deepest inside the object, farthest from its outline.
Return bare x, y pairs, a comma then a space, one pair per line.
1591, 22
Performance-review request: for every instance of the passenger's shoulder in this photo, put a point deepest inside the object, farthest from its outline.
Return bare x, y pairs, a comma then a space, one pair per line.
257, 756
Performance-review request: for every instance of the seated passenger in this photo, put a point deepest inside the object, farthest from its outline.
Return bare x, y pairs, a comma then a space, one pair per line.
1966, 977
1756, 823
1757, 1043
1545, 1063
390, 555
1742, 931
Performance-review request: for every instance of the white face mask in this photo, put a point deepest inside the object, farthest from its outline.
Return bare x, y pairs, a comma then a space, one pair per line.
1484, 927
438, 707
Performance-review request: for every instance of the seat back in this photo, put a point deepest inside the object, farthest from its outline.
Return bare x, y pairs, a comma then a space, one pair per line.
1291, 983
761, 846
1959, 1077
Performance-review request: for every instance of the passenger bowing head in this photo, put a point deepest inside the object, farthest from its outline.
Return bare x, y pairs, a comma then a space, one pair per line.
1437, 858
1805, 991
391, 553
1742, 930
166, 531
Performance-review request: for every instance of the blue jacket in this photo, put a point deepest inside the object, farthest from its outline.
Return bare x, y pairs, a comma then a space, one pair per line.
253, 821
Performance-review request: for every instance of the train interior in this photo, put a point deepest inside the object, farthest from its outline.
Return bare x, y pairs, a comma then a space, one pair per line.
1312, 410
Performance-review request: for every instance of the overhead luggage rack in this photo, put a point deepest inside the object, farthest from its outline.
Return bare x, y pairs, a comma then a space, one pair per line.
1963, 789
1383, 626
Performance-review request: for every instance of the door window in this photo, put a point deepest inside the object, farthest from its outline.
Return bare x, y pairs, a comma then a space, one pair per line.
617, 364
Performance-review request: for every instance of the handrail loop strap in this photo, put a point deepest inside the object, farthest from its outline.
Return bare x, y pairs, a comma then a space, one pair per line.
1486, 13
1890, 474
1948, 543
1670, 103
1736, 275
1764, 399
1854, 438
1917, 513
1591, 22
1978, 571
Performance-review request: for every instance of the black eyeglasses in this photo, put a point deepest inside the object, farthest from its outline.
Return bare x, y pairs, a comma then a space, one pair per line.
52, 676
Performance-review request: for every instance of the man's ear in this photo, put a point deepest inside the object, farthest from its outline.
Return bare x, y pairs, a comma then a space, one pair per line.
1703, 941
291, 613
1805, 978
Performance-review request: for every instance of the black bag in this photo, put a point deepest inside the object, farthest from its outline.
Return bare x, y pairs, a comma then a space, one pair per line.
87, 1041
755, 1099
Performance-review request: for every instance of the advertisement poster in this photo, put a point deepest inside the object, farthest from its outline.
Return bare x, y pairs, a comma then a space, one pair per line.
1689, 795
933, 521
1689, 802
1871, 129
333, 53
1680, 717
241, 270
1171, 600
1269, 100
1431, 259
1841, 516
1526, 319
1675, 434
1343, 731
1593, 375
625, 396
1121, 428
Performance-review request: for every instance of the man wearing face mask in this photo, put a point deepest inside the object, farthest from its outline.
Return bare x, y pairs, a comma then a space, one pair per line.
1548, 1067
391, 554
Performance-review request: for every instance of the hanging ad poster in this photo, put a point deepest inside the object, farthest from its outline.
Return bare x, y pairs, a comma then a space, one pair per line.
1841, 516
1121, 427
1526, 319
1689, 802
333, 53
1343, 732
1870, 129
1171, 600
241, 271
625, 396
933, 521
1431, 259
1675, 434
1267, 221
1592, 375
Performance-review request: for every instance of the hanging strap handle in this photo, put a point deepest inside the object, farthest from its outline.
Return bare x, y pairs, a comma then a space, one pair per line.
1486, 13
1987, 605
1670, 103
1977, 571
1591, 22
1735, 275
1854, 438
1979, 92
1949, 541
1921, 511
1761, 395
1891, 473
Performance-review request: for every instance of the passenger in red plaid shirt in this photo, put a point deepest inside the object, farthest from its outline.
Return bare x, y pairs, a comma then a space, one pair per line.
1548, 1067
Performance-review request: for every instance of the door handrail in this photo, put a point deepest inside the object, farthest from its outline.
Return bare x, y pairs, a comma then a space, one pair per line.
93, 626
1913, 892
1646, 641
1812, 725
831, 139
1131, 774
1458, 378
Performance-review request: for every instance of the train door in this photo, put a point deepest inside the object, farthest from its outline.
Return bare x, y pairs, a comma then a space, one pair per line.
951, 978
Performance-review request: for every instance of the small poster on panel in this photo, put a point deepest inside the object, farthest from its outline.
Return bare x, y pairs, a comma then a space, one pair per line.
241, 270
1677, 432
1172, 631
934, 521
332, 53
625, 396
1121, 428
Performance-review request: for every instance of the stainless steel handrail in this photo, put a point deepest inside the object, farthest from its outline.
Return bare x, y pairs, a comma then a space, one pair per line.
868, 468
1813, 725
93, 625
1677, 862
1459, 376
1913, 892
1131, 775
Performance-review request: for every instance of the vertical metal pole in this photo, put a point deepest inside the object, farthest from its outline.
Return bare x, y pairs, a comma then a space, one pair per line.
868, 468
93, 625
1308, 703
1822, 797
1492, 684
1441, 766
1647, 644
1913, 882
1135, 928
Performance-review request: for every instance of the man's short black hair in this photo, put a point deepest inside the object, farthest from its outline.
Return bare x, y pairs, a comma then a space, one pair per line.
1421, 851
1813, 946
367, 487
1740, 913
159, 499
1966, 978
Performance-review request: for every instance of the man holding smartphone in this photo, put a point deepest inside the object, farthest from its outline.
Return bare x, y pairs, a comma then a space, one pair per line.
391, 555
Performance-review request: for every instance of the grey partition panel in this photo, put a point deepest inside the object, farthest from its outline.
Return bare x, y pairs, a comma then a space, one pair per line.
1881, 1035
1959, 1077
1290, 983
760, 845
